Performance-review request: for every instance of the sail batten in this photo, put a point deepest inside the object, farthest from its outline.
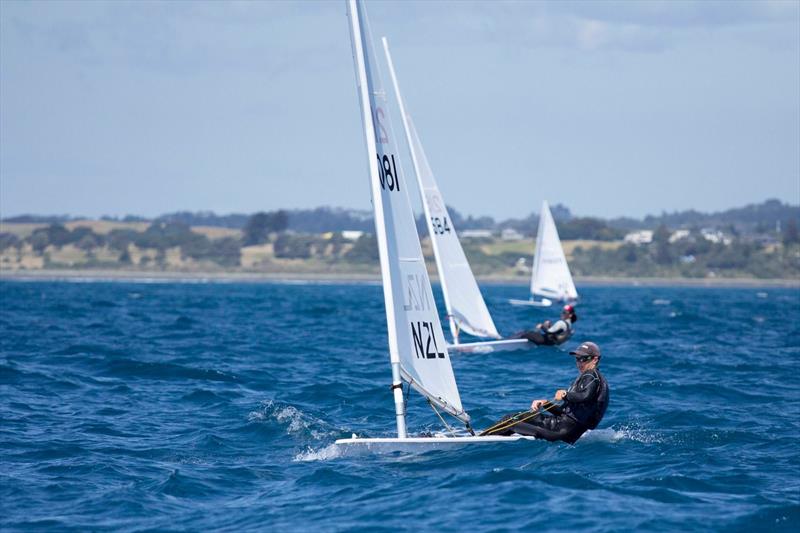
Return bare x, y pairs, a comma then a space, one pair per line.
417, 348
462, 296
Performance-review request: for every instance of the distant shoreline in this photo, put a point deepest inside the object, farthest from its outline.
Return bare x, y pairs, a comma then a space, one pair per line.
256, 277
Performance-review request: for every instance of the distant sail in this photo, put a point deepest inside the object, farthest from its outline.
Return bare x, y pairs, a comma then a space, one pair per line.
466, 308
551, 277
416, 341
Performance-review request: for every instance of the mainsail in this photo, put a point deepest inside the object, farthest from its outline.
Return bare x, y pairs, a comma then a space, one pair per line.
551, 277
417, 348
466, 308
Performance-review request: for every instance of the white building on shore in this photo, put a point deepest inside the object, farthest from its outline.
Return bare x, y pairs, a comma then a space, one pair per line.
715, 236
510, 234
644, 236
477, 233
352, 235
679, 235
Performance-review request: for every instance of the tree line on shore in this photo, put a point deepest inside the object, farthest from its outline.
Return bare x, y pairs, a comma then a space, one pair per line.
261, 228
691, 256
753, 219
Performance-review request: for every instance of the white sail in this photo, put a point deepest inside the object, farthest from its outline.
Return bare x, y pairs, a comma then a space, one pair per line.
466, 308
417, 347
551, 277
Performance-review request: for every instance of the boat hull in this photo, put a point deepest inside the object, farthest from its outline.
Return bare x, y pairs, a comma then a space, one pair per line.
503, 345
357, 445
531, 303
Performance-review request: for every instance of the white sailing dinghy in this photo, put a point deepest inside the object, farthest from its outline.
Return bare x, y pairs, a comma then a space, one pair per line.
551, 278
417, 351
466, 308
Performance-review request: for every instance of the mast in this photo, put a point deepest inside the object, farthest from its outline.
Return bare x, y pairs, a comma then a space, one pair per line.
357, 39
417, 349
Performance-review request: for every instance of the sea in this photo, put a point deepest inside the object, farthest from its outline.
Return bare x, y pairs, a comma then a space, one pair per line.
211, 406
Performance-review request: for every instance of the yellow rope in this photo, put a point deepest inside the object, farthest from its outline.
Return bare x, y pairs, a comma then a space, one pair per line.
513, 421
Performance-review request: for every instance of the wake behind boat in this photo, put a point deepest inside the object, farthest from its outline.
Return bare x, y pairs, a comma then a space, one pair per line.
417, 351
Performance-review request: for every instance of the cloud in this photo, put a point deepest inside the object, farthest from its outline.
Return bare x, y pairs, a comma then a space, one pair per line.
271, 35
172, 35
680, 14
645, 26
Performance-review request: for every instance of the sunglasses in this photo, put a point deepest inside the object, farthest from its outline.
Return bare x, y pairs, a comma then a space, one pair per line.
585, 358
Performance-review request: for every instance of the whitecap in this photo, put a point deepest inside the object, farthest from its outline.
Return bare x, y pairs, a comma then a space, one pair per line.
603, 435
661, 301
296, 421
331, 451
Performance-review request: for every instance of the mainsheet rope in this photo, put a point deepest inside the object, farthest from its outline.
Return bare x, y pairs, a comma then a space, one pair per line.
514, 420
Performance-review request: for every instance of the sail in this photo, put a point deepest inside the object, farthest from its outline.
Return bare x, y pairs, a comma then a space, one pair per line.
416, 341
551, 277
466, 308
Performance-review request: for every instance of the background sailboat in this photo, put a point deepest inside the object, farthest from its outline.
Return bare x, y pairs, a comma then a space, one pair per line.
551, 278
466, 308
417, 350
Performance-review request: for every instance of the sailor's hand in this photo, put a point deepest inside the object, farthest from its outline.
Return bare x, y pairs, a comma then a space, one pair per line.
560, 393
537, 404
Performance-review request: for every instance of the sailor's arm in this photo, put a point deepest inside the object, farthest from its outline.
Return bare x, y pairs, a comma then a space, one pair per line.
558, 327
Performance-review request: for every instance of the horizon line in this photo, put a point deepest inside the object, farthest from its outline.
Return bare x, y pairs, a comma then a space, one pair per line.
211, 212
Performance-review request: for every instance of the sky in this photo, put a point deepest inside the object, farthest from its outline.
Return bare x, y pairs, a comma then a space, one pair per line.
610, 108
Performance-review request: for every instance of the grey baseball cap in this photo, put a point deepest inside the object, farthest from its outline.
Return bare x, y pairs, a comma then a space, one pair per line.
586, 348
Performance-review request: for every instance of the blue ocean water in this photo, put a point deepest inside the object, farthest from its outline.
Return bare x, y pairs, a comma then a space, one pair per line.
190, 406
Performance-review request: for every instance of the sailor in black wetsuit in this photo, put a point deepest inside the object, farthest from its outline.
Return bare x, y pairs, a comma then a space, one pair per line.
552, 334
584, 405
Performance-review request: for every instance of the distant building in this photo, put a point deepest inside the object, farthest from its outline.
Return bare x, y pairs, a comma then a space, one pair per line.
477, 233
352, 235
521, 267
510, 234
715, 236
679, 235
644, 236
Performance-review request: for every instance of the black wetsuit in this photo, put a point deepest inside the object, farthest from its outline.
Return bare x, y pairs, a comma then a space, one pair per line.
545, 336
583, 408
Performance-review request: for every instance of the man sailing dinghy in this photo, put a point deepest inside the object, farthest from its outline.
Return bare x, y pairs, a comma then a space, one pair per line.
417, 350
466, 308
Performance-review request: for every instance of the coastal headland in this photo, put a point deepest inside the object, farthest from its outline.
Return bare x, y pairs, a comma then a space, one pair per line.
757, 244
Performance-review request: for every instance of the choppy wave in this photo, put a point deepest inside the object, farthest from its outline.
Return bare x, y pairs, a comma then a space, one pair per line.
204, 406
294, 421
325, 453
